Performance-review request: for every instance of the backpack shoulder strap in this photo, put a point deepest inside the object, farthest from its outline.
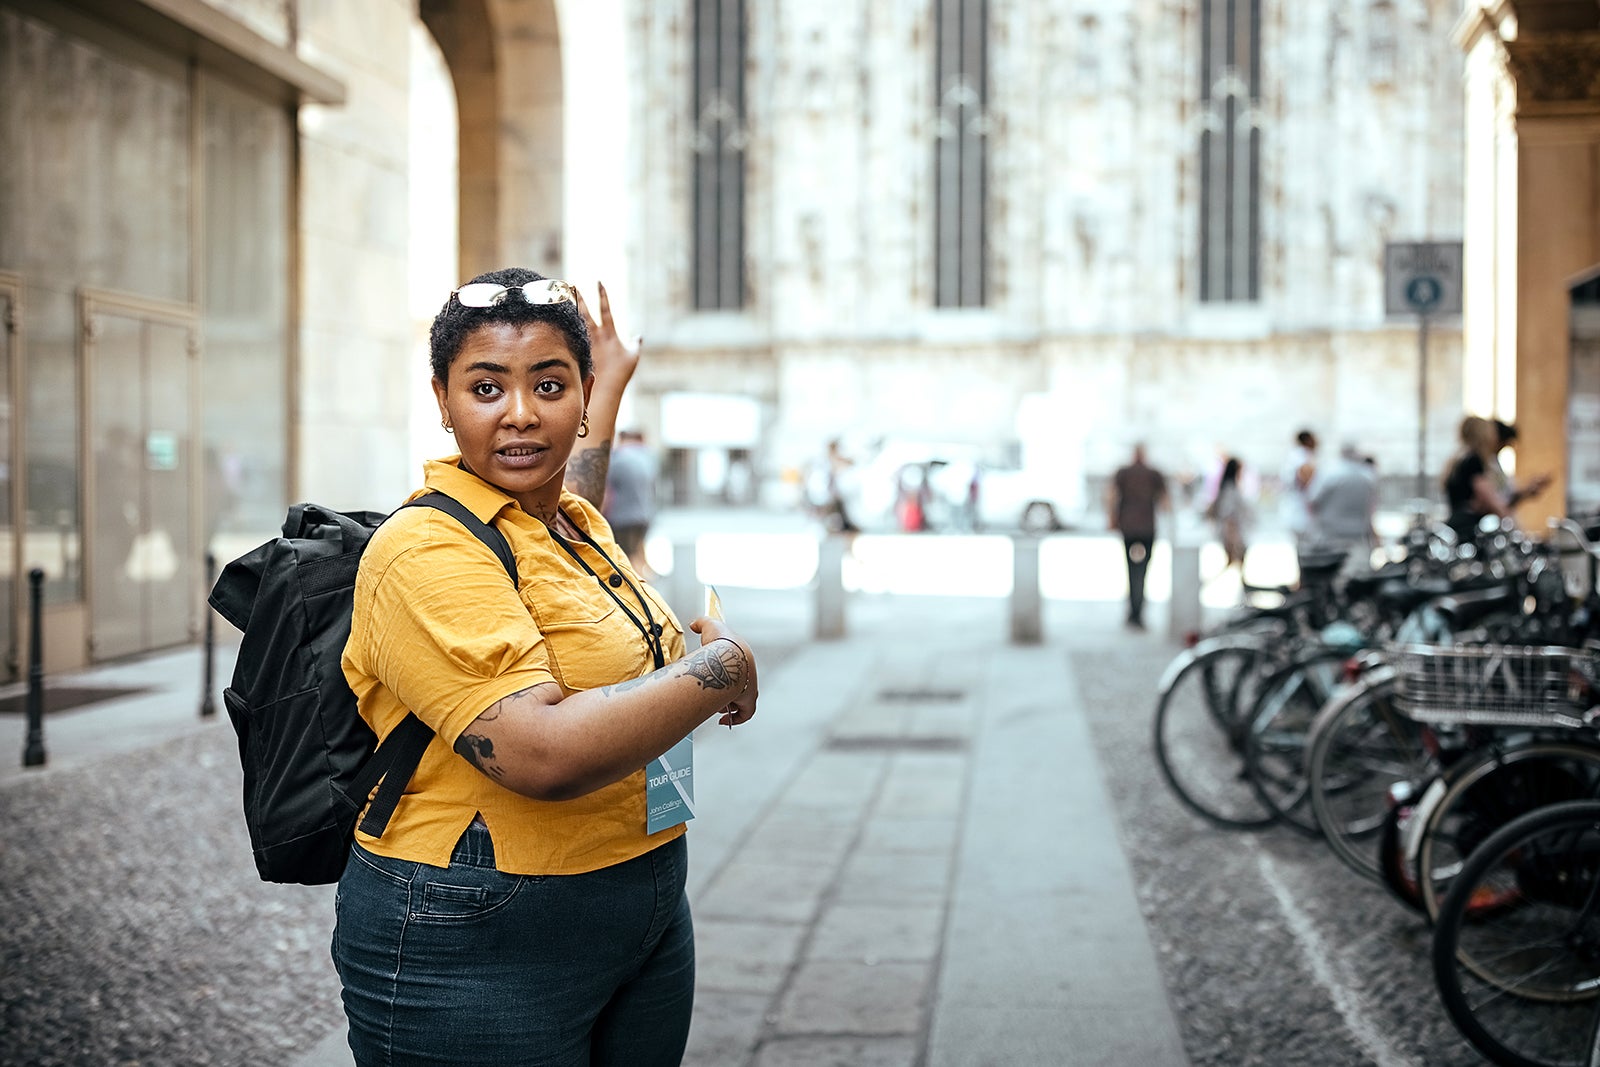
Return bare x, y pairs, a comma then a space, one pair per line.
395, 760
481, 530
390, 768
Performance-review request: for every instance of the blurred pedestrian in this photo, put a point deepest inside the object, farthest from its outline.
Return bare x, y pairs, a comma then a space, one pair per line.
828, 490
1294, 492
1343, 501
1475, 485
1517, 492
912, 495
630, 501
1229, 514
1136, 492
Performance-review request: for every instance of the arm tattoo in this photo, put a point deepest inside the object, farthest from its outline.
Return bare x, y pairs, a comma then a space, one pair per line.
624, 686
714, 668
717, 668
586, 471
478, 750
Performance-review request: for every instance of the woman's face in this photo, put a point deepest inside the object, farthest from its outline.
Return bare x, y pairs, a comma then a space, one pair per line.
515, 397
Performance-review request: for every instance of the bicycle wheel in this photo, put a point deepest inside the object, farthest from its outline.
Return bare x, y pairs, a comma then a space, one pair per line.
1522, 982
1280, 723
1358, 748
1485, 794
1199, 734
1396, 871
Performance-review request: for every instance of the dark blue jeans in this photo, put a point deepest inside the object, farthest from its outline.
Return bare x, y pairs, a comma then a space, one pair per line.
466, 965
1137, 550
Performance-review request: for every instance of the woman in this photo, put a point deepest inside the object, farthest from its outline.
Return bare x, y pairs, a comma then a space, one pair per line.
518, 910
1475, 485
1229, 514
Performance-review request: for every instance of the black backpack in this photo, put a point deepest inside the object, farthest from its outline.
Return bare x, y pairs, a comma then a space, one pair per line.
310, 760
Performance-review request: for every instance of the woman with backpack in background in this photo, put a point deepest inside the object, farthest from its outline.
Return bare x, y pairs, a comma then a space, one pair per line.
524, 905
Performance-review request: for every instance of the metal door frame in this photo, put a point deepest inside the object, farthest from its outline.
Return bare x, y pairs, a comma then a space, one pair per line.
92, 302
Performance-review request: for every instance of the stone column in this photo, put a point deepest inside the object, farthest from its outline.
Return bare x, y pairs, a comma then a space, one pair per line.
1558, 237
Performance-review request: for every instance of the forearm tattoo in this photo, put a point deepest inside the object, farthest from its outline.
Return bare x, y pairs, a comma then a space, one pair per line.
586, 471
718, 665
631, 683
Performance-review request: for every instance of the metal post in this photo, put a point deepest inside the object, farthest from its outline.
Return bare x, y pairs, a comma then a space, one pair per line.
208, 702
830, 587
1422, 408
33, 750
684, 592
1184, 614
1027, 604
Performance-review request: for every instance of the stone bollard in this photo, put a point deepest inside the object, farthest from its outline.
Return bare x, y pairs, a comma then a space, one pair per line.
1027, 604
685, 595
830, 588
1183, 606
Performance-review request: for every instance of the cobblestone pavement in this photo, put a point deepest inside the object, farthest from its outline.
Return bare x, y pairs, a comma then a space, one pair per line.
1273, 952
136, 931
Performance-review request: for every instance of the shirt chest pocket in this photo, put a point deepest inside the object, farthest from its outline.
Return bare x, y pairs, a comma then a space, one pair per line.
591, 641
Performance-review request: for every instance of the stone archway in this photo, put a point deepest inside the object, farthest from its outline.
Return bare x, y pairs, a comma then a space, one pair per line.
504, 58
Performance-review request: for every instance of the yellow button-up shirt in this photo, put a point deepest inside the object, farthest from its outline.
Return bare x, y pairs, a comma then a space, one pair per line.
438, 629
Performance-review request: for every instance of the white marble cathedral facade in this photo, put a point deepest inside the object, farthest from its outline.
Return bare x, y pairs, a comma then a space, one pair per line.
1088, 309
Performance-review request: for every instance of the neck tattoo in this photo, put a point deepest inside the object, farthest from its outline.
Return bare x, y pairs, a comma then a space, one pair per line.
557, 520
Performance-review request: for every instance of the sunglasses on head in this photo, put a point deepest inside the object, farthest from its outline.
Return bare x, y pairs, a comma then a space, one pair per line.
543, 291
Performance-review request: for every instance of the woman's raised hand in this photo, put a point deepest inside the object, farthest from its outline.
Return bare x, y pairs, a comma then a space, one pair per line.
615, 359
614, 363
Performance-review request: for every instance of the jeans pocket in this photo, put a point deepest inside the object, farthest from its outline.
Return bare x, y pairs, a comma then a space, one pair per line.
465, 897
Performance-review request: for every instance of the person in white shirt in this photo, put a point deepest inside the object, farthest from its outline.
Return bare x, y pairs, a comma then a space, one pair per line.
1294, 497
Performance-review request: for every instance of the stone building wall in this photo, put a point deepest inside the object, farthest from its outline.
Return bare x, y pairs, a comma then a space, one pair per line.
1092, 228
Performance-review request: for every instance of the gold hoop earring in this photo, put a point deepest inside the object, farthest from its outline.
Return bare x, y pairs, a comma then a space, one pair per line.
446, 426
583, 427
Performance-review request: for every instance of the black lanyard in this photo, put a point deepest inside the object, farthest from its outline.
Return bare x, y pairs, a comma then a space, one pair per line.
648, 628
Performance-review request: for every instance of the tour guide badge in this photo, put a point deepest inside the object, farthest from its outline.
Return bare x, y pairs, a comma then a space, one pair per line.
669, 779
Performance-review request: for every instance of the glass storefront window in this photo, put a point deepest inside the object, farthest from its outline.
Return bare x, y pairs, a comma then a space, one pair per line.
99, 199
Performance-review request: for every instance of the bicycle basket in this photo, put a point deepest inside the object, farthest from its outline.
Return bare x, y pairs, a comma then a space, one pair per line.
1494, 685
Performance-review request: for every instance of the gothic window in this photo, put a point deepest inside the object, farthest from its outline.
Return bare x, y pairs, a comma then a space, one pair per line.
1381, 46
961, 86
1230, 150
719, 143
1088, 56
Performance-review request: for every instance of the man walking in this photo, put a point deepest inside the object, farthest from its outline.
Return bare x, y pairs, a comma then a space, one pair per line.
1136, 492
1342, 504
630, 502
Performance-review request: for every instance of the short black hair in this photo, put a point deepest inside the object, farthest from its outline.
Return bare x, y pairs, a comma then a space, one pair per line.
455, 321
1306, 439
